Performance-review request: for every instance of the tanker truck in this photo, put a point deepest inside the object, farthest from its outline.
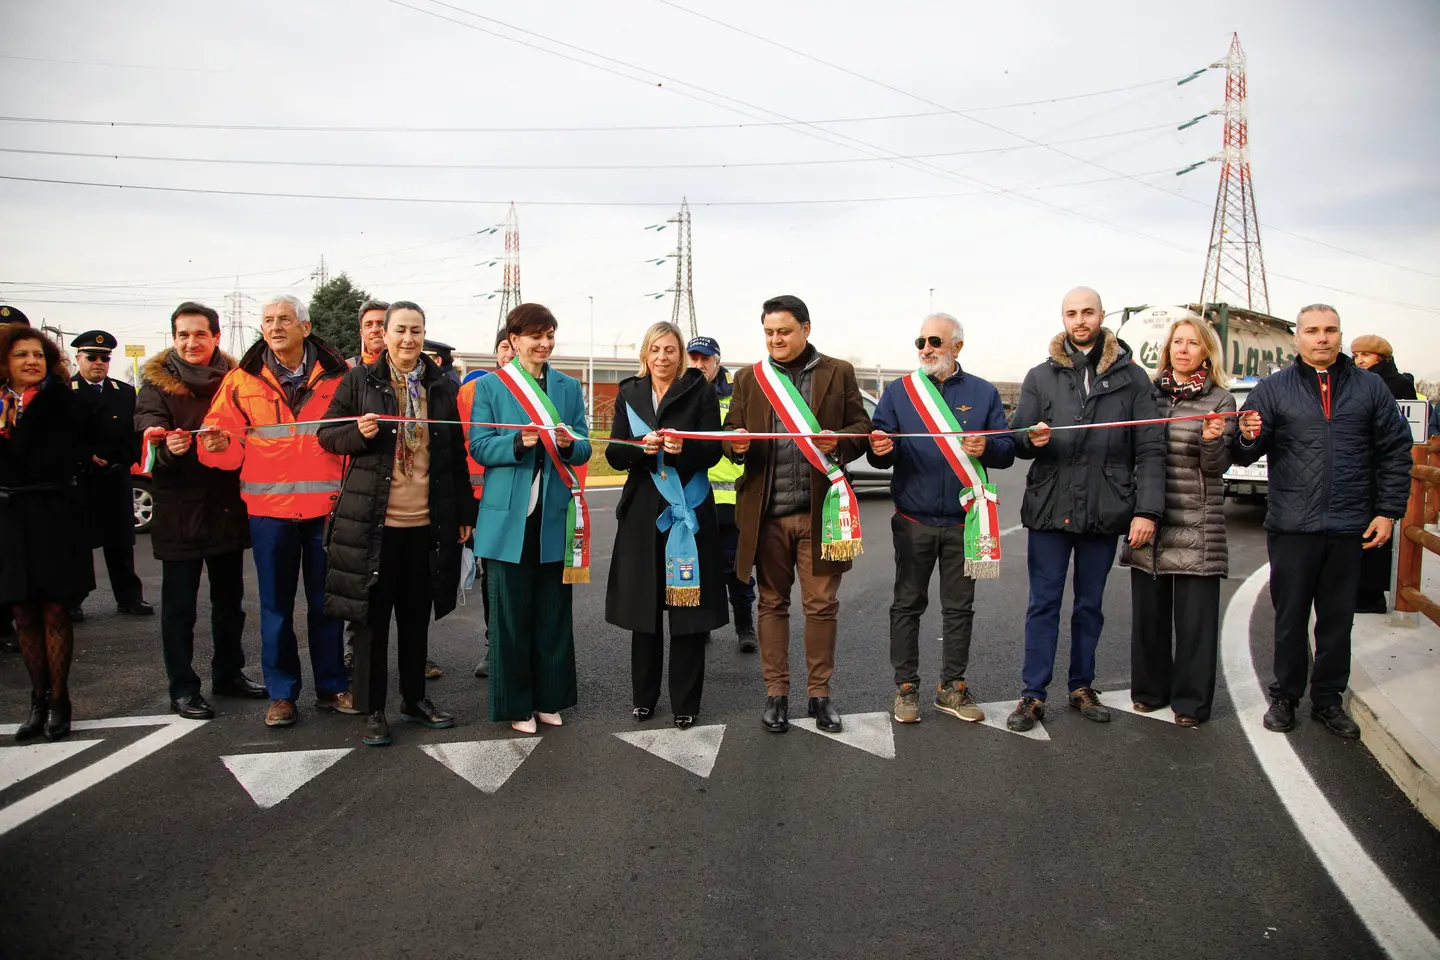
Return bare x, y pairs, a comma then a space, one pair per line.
1254, 344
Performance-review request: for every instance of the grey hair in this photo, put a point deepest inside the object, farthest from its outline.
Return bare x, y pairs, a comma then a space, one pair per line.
302, 312
1316, 308
959, 327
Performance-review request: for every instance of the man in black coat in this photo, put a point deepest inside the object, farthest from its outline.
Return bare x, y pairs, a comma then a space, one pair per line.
1085, 489
200, 521
1339, 460
105, 480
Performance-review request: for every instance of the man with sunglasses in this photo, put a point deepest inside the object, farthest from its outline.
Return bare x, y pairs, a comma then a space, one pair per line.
105, 478
928, 525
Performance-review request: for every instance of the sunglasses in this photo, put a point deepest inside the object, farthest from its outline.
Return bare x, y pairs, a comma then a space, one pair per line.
97, 357
935, 342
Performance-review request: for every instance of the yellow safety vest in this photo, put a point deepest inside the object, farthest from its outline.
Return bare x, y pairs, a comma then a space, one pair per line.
724, 474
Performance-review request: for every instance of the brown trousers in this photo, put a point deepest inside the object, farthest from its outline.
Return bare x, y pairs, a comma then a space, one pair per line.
782, 548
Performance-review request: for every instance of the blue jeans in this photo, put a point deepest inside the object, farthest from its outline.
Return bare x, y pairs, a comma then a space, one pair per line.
284, 550
1049, 561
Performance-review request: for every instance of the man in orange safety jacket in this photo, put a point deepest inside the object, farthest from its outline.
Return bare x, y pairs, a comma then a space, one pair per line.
289, 484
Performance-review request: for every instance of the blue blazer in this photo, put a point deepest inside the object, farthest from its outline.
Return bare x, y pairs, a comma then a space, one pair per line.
500, 531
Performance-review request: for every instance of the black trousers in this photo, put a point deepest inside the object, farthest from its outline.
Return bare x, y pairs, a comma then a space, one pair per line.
403, 589
918, 548
741, 592
179, 596
1182, 678
1321, 571
1375, 570
687, 670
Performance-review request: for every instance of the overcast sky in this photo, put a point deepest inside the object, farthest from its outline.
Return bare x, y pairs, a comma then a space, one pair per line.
1343, 105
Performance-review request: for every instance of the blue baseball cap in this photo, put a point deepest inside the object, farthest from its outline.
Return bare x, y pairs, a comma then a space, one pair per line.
704, 345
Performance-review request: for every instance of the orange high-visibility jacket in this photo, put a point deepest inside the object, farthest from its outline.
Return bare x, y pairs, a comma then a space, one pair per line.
466, 400
284, 473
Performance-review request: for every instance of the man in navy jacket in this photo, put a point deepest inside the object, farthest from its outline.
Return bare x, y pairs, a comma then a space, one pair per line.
929, 522
1339, 460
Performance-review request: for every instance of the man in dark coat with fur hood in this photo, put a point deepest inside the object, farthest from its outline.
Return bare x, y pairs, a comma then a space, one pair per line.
200, 521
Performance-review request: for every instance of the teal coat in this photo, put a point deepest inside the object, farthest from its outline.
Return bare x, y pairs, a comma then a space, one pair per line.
500, 531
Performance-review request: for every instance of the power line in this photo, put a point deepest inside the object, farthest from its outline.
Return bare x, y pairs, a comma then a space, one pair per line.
374, 165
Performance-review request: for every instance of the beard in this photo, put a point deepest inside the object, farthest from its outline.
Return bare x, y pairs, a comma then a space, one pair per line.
938, 366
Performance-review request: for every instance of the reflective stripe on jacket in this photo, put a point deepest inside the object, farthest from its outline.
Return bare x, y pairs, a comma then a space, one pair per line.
724, 474
283, 473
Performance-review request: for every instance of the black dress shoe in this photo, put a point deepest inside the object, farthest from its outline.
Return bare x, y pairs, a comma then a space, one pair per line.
58, 723
35, 723
825, 716
1281, 716
377, 730
749, 643
776, 717
641, 714
238, 686
77, 614
193, 707
137, 608
1339, 724
684, 722
423, 711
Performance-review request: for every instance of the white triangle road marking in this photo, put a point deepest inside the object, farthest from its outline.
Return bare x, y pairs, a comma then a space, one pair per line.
996, 713
694, 749
485, 764
1120, 700
870, 732
18, 763
271, 777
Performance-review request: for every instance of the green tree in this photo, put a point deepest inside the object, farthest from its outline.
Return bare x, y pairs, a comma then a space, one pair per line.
334, 314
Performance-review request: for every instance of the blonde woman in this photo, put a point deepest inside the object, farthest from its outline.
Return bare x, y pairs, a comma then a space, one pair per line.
1175, 579
674, 564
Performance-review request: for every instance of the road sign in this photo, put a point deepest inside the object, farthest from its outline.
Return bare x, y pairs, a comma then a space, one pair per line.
1417, 414
134, 350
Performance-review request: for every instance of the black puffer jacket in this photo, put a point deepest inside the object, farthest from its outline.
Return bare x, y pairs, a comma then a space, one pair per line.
198, 510
1401, 385
1328, 474
1091, 481
353, 538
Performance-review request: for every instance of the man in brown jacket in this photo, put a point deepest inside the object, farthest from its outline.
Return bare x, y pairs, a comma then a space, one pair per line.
779, 502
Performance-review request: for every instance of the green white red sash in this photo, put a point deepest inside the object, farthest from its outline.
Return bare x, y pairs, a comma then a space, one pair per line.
540, 410
978, 495
839, 514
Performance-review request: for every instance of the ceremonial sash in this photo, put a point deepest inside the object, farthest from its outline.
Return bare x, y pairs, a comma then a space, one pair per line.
978, 495
840, 514
682, 559
540, 410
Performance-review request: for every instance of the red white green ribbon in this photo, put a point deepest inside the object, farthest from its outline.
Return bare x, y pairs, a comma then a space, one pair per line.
839, 514
153, 437
978, 496
541, 411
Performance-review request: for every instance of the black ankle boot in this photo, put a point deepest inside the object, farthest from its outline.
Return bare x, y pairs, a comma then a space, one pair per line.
59, 723
39, 705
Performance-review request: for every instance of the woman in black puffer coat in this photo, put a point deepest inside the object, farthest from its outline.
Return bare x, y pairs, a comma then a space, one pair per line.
406, 507
45, 564
1175, 579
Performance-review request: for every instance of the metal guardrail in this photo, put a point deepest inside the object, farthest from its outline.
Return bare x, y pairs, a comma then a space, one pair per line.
1423, 509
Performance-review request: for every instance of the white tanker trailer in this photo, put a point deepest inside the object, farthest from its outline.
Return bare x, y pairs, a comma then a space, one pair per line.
1255, 346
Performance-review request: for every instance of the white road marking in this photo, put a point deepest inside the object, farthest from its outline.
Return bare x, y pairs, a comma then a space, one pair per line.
997, 712
1120, 700
18, 763
271, 777
486, 764
694, 749
1015, 529
870, 732
159, 720
1381, 907
41, 800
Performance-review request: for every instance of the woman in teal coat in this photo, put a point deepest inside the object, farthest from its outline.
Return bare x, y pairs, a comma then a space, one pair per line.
529, 513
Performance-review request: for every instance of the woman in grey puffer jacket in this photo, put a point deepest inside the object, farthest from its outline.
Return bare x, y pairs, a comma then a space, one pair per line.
1176, 578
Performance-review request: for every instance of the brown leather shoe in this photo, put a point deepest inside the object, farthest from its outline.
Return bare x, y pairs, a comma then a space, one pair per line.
282, 713
342, 702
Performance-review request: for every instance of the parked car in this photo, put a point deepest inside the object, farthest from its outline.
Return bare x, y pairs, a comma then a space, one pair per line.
862, 475
1254, 480
142, 493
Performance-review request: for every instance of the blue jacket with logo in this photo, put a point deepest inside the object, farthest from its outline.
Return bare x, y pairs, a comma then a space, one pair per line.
924, 487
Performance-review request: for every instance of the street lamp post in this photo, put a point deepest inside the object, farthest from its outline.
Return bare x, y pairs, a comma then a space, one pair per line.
932, 299
590, 375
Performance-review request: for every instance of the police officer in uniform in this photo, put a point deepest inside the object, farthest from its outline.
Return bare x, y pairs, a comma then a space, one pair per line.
105, 480
705, 356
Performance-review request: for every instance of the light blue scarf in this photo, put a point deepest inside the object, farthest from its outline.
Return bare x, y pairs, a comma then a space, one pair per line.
682, 560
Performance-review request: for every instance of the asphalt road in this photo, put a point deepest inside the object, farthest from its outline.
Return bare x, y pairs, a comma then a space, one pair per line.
1132, 839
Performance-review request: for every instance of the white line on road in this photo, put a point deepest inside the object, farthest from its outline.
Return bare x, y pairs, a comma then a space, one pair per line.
60, 791
1381, 907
